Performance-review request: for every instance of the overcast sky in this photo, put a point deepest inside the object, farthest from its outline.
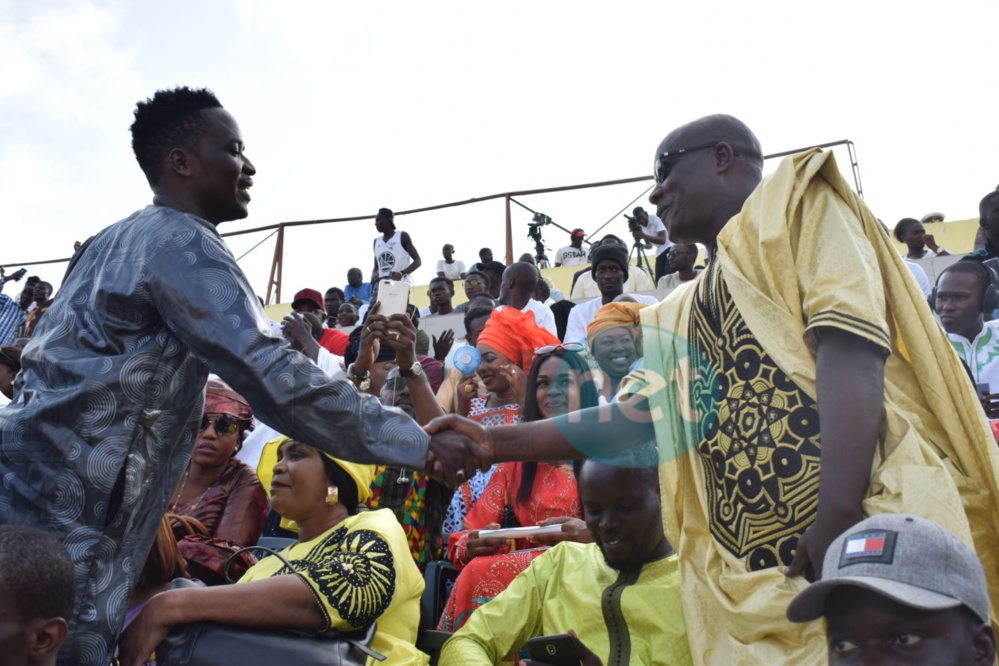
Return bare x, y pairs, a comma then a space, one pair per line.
346, 107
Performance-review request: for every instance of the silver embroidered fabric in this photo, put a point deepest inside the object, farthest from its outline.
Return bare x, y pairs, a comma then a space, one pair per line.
108, 402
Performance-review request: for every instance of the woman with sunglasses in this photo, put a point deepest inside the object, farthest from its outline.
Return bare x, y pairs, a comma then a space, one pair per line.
506, 345
523, 494
219, 491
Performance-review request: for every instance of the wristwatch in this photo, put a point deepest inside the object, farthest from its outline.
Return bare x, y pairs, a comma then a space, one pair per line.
414, 370
362, 382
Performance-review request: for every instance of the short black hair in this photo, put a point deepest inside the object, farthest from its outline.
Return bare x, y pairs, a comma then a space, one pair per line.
902, 228
441, 278
985, 275
346, 486
167, 120
336, 290
387, 212
37, 570
43, 283
484, 250
475, 313
985, 202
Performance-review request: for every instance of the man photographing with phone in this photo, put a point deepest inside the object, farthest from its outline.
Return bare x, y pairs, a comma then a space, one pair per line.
11, 314
614, 601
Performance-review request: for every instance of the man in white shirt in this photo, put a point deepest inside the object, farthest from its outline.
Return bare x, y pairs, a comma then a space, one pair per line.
609, 270
681, 259
652, 232
517, 291
636, 280
573, 254
395, 256
449, 267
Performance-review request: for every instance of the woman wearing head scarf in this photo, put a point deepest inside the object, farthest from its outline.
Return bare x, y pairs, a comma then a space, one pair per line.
507, 345
615, 340
350, 568
222, 493
523, 494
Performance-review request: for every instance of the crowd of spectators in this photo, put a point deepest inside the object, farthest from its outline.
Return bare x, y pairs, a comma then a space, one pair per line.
606, 548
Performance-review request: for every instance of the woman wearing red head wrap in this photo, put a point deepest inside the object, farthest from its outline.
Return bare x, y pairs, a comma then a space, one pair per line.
507, 345
222, 493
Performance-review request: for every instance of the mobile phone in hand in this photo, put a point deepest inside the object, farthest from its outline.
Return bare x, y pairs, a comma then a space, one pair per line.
556, 650
393, 296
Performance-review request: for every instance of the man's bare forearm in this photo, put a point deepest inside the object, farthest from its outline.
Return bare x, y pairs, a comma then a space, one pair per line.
850, 393
598, 431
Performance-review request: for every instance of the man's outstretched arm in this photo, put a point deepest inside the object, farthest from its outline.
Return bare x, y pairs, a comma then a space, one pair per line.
850, 381
598, 431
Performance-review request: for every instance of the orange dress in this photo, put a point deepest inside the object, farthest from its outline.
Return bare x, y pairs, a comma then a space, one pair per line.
554, 494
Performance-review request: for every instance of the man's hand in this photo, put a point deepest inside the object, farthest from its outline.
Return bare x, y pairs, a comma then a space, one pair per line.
443, 344
296, 328
815, 541
573, 529
458, 447
400, 335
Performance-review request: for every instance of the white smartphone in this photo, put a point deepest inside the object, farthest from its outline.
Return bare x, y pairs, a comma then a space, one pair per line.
393, 296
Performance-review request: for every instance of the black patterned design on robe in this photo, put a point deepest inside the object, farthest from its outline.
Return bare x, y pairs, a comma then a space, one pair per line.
759, 438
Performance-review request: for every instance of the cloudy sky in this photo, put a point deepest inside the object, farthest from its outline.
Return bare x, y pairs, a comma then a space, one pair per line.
346, 107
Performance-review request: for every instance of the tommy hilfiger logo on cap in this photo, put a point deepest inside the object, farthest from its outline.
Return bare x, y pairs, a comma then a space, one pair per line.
872, 546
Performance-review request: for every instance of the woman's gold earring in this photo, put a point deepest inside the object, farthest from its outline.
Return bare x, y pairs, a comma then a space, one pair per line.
332, 495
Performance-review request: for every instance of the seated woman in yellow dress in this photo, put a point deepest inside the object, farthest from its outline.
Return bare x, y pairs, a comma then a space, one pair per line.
351, 568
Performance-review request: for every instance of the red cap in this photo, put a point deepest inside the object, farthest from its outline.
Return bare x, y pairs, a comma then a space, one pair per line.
578, 233
310, 295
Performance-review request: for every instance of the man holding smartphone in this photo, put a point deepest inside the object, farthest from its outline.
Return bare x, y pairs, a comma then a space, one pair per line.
615, 601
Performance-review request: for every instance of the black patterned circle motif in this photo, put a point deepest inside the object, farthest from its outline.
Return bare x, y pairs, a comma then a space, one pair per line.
760, 447
354, 572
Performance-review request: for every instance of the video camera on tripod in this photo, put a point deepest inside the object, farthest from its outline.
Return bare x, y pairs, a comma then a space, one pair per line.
534, 233
633, 223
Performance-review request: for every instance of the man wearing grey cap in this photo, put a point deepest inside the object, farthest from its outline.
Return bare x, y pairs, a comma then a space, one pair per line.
900, 589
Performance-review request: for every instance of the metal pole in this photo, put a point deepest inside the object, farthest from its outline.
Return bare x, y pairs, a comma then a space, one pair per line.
276, 265
509, 233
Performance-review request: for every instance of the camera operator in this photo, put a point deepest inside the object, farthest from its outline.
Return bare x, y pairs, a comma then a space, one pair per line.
573, 254
647, 228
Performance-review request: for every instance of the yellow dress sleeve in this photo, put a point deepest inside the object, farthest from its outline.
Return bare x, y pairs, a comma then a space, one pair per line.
838, 273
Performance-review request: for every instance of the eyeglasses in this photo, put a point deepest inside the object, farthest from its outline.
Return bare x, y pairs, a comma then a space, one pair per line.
661, 167
568, 346
225, 424
473, 283
675, 253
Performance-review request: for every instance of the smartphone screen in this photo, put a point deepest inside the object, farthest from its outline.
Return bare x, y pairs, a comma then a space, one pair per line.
393, 296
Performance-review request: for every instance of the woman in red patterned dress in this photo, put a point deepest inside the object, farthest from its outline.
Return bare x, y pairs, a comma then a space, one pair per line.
522, 494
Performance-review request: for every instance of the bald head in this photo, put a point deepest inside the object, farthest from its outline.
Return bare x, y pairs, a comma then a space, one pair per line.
519, 282
705, 171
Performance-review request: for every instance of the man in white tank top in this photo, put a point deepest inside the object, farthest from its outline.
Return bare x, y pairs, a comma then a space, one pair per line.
395, 256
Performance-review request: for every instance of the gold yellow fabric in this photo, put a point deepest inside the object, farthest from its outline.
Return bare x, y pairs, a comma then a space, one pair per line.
363, 475
617, 315
360, 571
803, 253
568, 588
